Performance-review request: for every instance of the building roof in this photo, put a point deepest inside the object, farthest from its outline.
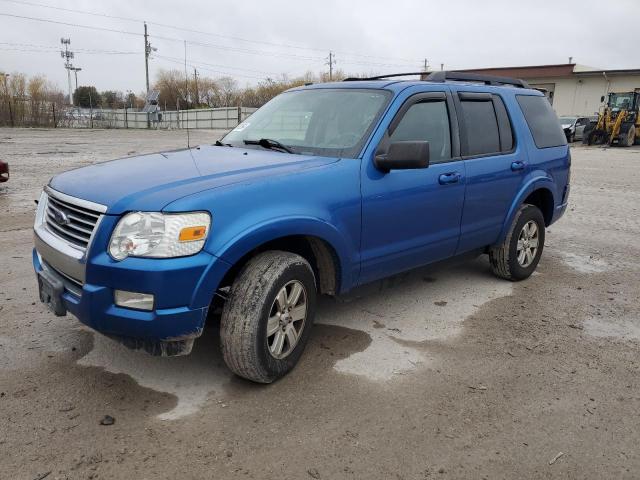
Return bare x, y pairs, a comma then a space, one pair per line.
550, 71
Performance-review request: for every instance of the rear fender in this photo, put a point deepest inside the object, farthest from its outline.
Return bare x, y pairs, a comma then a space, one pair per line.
536, 181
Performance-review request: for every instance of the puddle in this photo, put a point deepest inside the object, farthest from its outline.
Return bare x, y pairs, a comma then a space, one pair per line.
585, 263
419, 308
192, 378
623, 328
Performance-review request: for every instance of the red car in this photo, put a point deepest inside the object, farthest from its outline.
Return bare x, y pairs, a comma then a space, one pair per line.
4, 171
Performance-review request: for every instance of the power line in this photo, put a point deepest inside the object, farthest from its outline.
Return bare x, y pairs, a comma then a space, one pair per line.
200, 62
191, 30
68, 24
35, 50
199, 66
46, 48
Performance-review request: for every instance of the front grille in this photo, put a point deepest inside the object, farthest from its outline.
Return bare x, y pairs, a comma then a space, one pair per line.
69, 221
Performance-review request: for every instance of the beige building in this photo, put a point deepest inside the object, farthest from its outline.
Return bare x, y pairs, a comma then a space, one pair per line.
572, 89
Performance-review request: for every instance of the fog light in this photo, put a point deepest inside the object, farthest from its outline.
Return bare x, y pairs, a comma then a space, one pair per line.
135, 300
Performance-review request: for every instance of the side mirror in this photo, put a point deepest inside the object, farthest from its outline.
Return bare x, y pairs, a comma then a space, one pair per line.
403, 156
602, 99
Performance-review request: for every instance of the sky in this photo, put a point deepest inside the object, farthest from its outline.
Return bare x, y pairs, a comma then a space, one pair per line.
251, 40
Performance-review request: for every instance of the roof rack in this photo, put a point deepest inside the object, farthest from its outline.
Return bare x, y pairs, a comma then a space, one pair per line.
443, 76
476, 77
381, 77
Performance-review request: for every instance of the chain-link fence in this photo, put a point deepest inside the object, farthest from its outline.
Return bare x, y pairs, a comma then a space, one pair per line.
52, 115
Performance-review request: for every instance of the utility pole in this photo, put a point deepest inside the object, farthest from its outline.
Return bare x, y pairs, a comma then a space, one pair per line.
331, 62
147, 52
197, 96
67, 56
425, 69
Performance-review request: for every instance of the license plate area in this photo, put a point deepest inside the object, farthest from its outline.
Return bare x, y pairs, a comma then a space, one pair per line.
51, 289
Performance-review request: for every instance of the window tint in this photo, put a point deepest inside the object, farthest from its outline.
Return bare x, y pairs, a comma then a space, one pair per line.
542, 121
506, 134
426, 121
481, 127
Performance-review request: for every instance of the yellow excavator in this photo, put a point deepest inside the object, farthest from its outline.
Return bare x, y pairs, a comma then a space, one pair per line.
618, 121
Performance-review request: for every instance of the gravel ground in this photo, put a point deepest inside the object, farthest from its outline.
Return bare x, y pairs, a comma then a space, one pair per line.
439, 373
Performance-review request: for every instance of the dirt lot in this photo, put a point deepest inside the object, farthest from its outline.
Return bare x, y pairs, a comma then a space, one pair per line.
440, 373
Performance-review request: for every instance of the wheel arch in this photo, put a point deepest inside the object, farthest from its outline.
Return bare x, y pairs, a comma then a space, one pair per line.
318, 242
538, 192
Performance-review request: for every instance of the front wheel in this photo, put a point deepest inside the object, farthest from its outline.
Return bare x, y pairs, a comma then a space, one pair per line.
518, 255
267, 319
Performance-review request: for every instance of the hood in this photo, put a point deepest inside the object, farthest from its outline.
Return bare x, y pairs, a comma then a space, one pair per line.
567, 125
149, 182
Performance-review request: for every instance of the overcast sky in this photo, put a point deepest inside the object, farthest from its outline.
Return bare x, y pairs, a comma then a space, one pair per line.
251, 39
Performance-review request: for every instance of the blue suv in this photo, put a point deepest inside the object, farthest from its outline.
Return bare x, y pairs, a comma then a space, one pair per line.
324, 188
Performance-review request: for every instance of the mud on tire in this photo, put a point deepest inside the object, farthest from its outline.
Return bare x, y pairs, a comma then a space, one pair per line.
245, 317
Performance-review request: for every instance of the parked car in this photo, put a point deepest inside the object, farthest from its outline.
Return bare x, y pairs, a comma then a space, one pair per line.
574, 127
4, 171
324, 188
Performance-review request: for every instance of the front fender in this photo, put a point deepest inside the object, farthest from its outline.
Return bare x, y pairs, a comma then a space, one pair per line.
536, 181
255, 236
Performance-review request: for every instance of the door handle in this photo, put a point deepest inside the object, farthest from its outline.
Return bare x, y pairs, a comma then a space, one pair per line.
448, 178
515, 166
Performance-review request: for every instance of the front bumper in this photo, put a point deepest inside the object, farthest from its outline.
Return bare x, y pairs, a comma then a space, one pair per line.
182, 287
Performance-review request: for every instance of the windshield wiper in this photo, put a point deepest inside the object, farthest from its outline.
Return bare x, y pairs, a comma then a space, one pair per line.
270, 144
220, 144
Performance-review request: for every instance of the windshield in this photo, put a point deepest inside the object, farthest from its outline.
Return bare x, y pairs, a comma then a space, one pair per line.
327, 122
621, 101
567, 120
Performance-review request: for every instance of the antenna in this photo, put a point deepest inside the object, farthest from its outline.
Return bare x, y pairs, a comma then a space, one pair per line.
186, 85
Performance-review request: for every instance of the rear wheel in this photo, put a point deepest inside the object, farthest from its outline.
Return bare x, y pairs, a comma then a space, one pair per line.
267, 319
518, 255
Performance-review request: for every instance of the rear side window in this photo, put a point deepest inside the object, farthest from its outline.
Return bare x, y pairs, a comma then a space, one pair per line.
481, 127
427, 121
506, 134
542, 121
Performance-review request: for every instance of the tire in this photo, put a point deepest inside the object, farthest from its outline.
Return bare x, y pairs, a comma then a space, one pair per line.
254, 298
572, 138
505, 259
630, 137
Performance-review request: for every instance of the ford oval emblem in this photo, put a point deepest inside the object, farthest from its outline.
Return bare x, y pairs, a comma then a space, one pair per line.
60, 217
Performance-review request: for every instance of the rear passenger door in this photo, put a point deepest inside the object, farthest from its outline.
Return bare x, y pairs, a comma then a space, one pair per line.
495, 165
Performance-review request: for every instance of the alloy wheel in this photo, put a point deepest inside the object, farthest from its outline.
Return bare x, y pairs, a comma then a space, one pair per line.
286, 319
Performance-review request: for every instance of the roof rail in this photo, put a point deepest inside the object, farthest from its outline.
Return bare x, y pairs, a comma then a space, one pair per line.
476, 77
443, 76
381, 77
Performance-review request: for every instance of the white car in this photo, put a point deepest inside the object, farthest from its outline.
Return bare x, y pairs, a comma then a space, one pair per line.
574, 127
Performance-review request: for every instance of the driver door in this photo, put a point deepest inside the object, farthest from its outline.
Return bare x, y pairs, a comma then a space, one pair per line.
412, 217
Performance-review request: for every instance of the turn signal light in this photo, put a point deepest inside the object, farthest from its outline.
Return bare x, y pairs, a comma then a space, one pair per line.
191, 234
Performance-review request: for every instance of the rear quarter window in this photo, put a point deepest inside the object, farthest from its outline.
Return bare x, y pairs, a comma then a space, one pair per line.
542, 121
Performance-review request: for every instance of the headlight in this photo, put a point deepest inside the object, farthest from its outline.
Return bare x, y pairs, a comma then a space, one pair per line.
159, 235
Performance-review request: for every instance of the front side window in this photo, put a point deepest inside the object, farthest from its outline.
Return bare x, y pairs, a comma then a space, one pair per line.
323, 121
426, 121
